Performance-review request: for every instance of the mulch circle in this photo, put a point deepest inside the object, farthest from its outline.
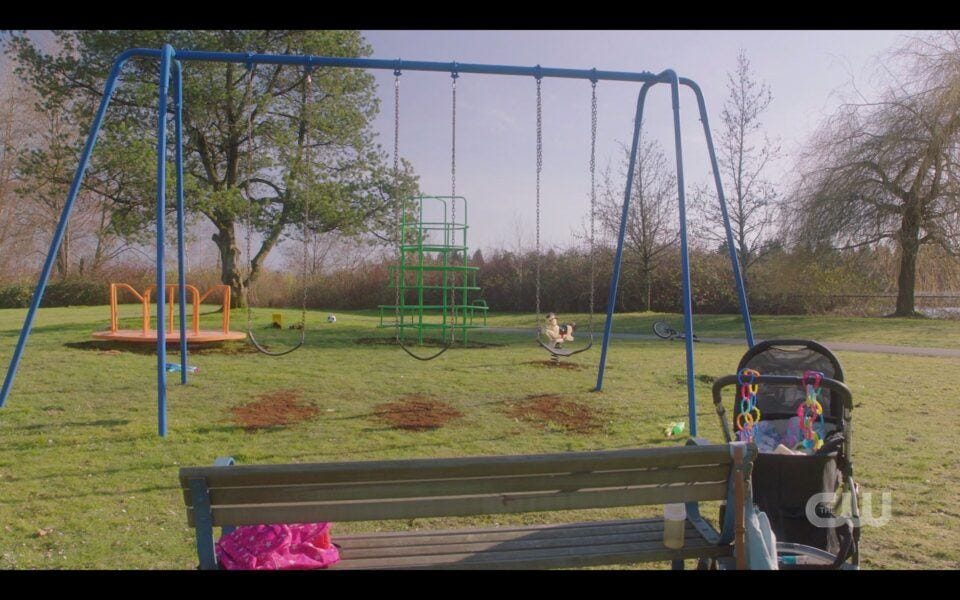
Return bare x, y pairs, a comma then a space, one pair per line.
556, 365
547, 409
416, 412
274, 409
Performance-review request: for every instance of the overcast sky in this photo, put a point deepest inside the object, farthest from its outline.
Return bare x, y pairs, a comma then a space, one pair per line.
496, 120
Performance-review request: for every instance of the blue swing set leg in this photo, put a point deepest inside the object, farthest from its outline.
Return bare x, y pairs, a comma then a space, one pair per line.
675, 82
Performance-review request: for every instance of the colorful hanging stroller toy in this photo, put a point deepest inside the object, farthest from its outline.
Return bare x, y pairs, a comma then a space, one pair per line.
749, 417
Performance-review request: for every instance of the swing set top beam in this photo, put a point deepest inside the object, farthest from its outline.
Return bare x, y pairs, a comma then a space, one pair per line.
398, 65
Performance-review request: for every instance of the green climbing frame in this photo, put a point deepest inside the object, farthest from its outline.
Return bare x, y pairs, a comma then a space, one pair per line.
433, 280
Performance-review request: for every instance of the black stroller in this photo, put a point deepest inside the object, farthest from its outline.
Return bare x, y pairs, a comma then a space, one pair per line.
783, 484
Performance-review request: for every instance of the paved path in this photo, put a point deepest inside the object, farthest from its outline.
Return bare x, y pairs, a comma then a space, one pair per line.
850, 346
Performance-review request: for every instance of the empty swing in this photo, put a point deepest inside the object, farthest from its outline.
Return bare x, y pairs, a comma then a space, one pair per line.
555, 333
400, 219
306, 94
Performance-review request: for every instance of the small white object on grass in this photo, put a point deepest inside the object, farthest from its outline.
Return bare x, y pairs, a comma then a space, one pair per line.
331, 318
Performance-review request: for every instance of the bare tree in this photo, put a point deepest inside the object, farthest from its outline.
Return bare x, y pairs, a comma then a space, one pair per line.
652, 225
47, 157
16, 125
886, 170
744, 152
332, 250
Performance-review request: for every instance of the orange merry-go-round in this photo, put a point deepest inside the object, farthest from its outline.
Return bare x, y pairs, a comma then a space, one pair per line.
195, 335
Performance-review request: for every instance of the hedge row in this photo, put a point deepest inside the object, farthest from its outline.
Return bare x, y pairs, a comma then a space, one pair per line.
68, 292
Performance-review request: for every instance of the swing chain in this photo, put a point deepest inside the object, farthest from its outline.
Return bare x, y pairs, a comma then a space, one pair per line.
453, 201
306, 208
398, 207
248, 263
539, 169
593, 199
396, 124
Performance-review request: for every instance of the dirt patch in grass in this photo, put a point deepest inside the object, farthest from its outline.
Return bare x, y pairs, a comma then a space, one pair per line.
427, 343
416, 412
556, 365
549, 410
275, 409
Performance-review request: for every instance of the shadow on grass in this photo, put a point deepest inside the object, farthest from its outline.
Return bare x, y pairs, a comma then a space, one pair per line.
429, 343
100, 423
108, 347
72, 443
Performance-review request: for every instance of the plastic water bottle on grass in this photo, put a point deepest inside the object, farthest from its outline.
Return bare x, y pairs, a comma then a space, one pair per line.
175, 368
674, 429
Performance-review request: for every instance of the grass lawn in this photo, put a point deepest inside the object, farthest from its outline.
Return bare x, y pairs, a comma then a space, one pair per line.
85, 482
918, 332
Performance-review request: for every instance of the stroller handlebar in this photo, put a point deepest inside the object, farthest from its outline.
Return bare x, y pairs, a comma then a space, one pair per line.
843, 392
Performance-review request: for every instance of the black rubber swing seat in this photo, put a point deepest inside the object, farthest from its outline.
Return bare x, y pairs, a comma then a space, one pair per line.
562, 351
263, 350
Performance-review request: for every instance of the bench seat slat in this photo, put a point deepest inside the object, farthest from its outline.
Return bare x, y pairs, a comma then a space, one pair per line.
460, 486
643, 548
409, 508
430, 536
439, 468
493, 541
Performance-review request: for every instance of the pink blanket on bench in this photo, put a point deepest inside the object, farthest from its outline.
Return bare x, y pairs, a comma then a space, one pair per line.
275, 547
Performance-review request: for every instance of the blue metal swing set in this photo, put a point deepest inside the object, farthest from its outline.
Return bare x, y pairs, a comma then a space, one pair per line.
171, 66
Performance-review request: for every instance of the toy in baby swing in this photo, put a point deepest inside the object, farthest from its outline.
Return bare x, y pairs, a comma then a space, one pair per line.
808, 412
558, 333
749, 416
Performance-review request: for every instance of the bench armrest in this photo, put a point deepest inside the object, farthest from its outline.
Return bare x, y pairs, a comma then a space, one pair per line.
204, 524
740, 474
703, 526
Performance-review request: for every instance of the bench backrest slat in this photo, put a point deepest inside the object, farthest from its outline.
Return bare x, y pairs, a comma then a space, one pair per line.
454, 506
382, 490
417, 488
474, 466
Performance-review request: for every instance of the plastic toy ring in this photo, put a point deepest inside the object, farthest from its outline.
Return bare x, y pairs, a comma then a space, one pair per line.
748, 372
744, 420
814, 375
815, 409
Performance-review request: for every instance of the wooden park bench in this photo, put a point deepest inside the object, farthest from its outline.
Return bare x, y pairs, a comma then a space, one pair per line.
227, 496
